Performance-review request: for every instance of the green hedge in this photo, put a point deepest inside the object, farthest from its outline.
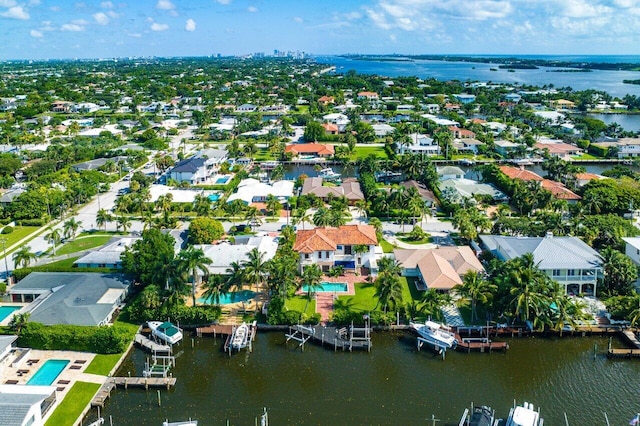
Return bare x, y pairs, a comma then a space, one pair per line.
30, 222
136, 313
101, 340
7, 230
19, 274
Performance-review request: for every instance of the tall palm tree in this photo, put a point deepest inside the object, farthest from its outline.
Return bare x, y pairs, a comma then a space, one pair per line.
71, 228
202, 205
235, 275
23, 256
526, 282
475, 288
311, 278
321, 217
123, 222
214, 288
54, 238
193, 260
255, 268
102, 218
431, 304
282, 274
252, 216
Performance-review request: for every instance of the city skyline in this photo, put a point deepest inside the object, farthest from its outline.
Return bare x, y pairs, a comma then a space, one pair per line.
41, 29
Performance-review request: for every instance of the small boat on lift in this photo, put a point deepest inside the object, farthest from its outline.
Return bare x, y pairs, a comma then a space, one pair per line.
478, 416
165, 331
329, 174
436, 334
240, 337
520, 415
524, 415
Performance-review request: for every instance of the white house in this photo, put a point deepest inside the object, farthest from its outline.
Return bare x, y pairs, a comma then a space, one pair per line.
567, 260
420, 144
192, 170
350, 246
251, 191
223, 254
450, 172
25, 405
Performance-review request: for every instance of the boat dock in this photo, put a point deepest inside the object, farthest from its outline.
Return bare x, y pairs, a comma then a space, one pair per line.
104, 392
228, 330
481, 344
632, 352
345, 338
151, 345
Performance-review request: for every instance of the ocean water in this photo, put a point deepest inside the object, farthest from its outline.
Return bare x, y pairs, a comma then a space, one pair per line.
608, 81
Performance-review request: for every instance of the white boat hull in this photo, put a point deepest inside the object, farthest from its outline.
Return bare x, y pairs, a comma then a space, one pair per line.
436, 334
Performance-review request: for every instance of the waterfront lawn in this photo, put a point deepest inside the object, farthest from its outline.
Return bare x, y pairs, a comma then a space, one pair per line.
297, 304
365, 299
364, 151
70, 409
103, 364
83, 243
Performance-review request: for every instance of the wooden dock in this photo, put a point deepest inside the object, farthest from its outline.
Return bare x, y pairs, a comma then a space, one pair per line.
345, 338
228, 330
623, 353
480, 344
103, 394
150, 345
146, 382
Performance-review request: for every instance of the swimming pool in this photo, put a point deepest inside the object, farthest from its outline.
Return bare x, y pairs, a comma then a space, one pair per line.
328, 287
5, 311
233, 297
49, 372
214, 197
222, 180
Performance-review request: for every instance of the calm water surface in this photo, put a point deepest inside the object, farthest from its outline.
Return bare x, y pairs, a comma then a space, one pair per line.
393, 385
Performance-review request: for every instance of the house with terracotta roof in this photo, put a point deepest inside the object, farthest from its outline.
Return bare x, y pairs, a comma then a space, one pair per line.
310, 149
349, 188
326, 100
350, 246
559, 149
330, 128
440, 269
459, 133
371, 96
557, 189
584, 178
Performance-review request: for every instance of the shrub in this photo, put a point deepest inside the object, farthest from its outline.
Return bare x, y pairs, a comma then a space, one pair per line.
102, 340
204, 230
7, 230
30, 222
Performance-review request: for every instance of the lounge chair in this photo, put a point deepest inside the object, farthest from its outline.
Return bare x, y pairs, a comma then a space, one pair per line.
11, 382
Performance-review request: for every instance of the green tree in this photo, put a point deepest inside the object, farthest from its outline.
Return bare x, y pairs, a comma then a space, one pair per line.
255, 268
313, 132
311, 278
205, 230
24, 256
620, 273
193, 260
103, 217
150, 259
54, 237
71, 228
475, 289
123, 222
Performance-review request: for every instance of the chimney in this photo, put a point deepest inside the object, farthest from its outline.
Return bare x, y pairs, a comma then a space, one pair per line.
549, 234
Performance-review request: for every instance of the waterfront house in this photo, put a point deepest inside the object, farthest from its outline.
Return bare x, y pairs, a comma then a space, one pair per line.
505, 147
223, 254
382, 129
557, 189
73, 298
108, 256
420, 144
349, 188
459, 133
568, 260
470, 145
450, 172
314, 150
558, 148
253, 191
440, 269
427, 196
350, 246
457, 190
370, 96
628, 147
22, 405
465, 98
246, 108
632, 250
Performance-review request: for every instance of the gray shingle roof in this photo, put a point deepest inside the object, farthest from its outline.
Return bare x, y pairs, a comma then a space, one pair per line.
15, 406
190, 165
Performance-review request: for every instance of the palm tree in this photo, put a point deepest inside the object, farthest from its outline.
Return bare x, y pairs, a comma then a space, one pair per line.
214, 288
123, 222
23, 256
252, 216
432, 302
282, 274
526, 281
235, 275
321, 217
301, 216
71, 228
255, 268
163, 203
311, 278
54, 238
475, 288
202, 205
19, 321
388, 286
102, 218
193, 260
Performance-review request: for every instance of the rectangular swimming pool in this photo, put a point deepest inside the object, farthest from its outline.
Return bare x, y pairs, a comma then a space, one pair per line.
5, 311
328, 287
49, 372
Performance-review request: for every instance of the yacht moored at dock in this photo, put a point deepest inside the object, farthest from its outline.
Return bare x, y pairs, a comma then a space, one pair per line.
165, 331
329, 174
436, 334
523, 415
240, 337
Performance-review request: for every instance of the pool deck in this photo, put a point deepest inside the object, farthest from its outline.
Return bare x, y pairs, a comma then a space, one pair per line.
325, 300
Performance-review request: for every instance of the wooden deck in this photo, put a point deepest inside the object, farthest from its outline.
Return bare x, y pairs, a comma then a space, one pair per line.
344, 338
103, 394
148, 344
480, 344
146, 382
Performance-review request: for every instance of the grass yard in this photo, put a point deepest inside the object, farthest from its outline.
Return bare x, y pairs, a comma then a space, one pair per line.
19, 232
425, 240
586, 157
103, 364
71, 407
297, 303
365, 151
387, 247
83, 243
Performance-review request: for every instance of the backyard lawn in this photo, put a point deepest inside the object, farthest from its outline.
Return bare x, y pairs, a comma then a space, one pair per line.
103, 364
297, 303
365, 151
366, 301
387, 247
71, 407
19, 232
83, 243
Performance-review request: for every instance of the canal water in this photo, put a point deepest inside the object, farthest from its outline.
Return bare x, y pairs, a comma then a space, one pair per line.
394, 384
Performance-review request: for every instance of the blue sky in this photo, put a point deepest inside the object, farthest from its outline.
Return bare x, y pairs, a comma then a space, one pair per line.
50, 29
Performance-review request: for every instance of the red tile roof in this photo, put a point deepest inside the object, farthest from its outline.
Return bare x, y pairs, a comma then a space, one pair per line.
522, 174
310, 148
311, 240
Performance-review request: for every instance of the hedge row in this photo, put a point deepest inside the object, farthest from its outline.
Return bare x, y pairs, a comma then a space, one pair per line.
101, 340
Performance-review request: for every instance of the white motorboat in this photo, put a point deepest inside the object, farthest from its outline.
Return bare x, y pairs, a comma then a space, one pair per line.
436, 334
524, 415
329, 174
240, 337
165, 331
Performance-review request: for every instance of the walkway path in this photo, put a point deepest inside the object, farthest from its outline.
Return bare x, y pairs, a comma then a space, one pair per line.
324, 306
452, 316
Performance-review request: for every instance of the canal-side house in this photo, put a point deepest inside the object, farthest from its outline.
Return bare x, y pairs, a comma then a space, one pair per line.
223, 254
192, 170
350, 246
557, 189
310, 150
632, 250
567, 260
22, 405
439, 269
419, 144
72, 298
108, 256
350, 189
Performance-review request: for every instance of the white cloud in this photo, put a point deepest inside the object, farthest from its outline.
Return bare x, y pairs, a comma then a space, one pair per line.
35, 33
106, 5
165, 5
34, 2
16, 12
55, 8
7, 3
101, 18
80, 22
172, 13
223, 1
72, 27
582, 9
135, 35
159, 27
298, 19
252, 9
112, 14
190, 25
